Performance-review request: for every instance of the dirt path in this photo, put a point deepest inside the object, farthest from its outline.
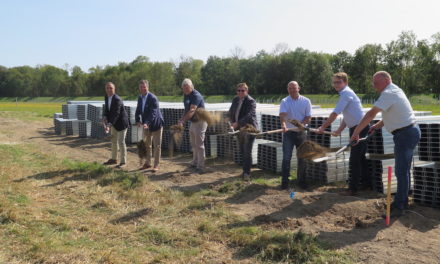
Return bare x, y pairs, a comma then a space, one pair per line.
344, 222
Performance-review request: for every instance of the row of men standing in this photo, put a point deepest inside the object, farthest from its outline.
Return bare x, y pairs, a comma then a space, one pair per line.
397, 117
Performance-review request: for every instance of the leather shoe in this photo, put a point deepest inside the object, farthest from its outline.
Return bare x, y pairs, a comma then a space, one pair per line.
121, 165
145, 167
110, 162
246, 177
348, 193
395, 213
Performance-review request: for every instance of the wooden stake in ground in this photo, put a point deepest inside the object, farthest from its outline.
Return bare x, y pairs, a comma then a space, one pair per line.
387, 219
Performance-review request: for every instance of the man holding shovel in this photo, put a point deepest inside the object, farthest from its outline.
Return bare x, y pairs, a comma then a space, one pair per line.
398, 118
148, 116
350, 106
192, 100
241, 113
296, 107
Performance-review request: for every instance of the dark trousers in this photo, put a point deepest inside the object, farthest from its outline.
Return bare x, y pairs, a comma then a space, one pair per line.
404, 143
292, 139
245, 143
358, 163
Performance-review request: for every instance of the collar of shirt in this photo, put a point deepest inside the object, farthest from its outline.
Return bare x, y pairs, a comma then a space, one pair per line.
293, 99
343, 89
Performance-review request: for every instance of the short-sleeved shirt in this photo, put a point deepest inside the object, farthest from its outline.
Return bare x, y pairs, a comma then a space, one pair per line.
194, 98
297, 109
350, 106
396, 109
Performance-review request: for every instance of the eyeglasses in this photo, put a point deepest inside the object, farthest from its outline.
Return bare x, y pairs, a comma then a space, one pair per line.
241, 91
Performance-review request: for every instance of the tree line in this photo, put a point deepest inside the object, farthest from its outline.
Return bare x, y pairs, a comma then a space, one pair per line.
414, 65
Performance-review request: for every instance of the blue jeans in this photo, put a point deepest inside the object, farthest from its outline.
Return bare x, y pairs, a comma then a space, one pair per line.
291, 139
246, 142
404, 143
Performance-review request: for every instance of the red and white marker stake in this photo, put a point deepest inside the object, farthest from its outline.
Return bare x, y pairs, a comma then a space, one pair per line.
387, 219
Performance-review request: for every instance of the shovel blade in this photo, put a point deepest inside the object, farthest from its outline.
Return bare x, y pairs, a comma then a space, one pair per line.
321, 159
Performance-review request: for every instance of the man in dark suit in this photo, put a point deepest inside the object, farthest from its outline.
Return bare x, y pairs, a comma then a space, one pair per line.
116, 121
150, 118
241, 113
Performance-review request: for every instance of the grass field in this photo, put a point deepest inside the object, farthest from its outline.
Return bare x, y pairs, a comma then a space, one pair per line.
45, 107
87, 213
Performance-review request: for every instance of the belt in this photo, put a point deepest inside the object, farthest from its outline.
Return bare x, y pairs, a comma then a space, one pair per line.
400, 129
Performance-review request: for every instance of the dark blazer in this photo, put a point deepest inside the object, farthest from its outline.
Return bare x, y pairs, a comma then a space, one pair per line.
247, 113
151, 115
117, 116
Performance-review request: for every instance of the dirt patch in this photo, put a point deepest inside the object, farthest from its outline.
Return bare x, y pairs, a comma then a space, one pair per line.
353, 223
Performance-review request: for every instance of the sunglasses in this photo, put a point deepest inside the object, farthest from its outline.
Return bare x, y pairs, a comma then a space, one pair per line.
241, 91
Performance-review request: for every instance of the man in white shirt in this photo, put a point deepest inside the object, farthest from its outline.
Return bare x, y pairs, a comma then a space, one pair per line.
350, 106
398, 118
298, 107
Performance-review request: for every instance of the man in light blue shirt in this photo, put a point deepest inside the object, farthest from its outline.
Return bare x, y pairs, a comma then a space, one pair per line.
350, 106
298, 107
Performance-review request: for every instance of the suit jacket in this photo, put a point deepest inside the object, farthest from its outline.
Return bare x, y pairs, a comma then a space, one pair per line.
247, 114
151, 114
116, 116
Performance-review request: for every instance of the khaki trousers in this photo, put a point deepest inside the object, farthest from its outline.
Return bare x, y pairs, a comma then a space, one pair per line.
118, 143
154, 138
197, 132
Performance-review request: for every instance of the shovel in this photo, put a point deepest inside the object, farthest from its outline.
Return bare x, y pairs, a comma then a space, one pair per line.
333, 155
301, 127
273, 132
231, 129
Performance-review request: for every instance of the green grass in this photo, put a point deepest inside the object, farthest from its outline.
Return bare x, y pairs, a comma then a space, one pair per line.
29, 111
70, 211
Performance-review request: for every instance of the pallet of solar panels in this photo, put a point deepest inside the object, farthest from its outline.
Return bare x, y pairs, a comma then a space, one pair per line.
427, 184
429, 144
70, 111
335, 169
382, 141
134, 132
181, 139
327, 140
66, 126
57, 115
378, 169
95, 115
270, 156
427, 175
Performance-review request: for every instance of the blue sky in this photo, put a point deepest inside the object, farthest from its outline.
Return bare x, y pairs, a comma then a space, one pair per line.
97, 32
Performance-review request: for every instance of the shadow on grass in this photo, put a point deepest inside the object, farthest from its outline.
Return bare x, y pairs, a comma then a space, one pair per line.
85, 171
132, 216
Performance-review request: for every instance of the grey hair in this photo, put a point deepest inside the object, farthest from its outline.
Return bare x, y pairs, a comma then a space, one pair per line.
293, 82
383, 74
188, 82
144, 82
